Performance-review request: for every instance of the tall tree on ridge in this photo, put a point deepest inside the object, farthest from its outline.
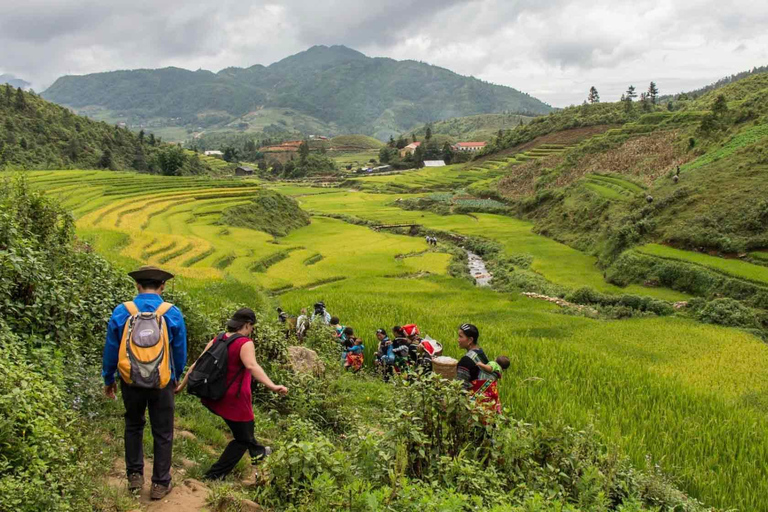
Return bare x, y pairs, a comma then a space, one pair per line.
653, 92
593, 97
631, 94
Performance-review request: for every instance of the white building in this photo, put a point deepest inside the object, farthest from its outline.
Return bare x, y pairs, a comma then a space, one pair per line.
214, 153
434, 163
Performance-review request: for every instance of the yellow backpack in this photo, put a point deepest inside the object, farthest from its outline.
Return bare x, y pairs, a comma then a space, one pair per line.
144, 359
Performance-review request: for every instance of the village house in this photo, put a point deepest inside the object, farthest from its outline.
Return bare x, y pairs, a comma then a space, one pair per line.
469, 146
434, 163
244, 170
409, 149
214, 153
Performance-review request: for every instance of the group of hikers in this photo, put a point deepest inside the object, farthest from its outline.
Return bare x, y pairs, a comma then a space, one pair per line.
146, 344
410, 354
431, 240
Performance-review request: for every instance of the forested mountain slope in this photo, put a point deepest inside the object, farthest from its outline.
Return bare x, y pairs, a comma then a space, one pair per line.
335, 85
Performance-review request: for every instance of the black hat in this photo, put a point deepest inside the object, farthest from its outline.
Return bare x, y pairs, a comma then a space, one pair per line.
240, 318
150, 273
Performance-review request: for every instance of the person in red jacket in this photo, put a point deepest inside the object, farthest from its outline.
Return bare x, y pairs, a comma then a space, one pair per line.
236, 406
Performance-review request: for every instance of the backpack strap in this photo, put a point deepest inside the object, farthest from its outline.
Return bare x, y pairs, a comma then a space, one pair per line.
131, 307
163, 308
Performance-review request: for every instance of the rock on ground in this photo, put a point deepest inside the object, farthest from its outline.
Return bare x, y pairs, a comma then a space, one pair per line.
304, 360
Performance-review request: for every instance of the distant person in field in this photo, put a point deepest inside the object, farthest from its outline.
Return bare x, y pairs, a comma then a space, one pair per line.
302, 324
482, 385
400, 347
147, 344
355, 352
235, 404
321, 315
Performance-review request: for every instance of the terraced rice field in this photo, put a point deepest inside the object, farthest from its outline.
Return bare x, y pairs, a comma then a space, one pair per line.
613, 187
688, 396
731, 267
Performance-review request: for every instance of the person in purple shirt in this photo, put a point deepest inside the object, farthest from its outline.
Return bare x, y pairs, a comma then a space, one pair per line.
150, 283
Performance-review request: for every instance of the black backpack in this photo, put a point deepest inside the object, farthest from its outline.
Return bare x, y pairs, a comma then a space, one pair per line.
209, 376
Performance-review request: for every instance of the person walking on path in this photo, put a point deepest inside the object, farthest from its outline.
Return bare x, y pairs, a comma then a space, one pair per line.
236, 406
147, 343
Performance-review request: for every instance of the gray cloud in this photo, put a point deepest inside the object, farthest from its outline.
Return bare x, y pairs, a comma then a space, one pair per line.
554, 50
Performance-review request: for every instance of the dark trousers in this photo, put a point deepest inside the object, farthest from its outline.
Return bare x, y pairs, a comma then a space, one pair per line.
160, 403
243, 441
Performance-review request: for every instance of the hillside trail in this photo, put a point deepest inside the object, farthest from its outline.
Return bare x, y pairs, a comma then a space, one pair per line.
187, 494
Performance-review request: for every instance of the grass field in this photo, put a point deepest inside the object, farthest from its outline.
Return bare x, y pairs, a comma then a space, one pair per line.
689, 396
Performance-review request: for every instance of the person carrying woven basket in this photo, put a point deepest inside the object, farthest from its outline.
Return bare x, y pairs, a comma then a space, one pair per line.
482, 385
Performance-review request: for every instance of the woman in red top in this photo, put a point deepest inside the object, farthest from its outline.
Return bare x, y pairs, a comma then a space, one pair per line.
236, 406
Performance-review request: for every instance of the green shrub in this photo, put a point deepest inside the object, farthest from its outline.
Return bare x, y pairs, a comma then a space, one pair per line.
728, 312
269, 211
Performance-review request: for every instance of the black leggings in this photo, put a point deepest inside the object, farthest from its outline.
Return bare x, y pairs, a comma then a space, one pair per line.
243, 441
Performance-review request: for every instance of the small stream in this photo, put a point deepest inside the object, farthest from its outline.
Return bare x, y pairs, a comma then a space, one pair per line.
477, 269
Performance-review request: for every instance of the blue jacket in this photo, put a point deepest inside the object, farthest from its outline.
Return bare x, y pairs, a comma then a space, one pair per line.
177, 331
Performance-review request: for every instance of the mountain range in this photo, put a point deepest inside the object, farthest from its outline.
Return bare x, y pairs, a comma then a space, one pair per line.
323, 89
14, 81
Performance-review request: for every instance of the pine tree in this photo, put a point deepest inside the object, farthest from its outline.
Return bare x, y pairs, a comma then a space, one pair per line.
593, 97
8, 94
303, 151
413, 136
141, 137
391, 142
653, 92
21, 101
720, 106
428, 135
105, 162
631, 94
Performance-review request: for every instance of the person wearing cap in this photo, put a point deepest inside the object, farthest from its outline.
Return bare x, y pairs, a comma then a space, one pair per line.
150, 283
483, 386
236, 406
320, 314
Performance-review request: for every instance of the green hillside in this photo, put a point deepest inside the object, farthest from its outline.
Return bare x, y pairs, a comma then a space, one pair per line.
482, 127
38, 134
340, 88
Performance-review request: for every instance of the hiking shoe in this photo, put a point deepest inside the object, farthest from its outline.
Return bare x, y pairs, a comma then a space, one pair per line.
159, 492
135, 482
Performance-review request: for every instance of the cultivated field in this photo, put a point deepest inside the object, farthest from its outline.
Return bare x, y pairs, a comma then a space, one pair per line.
689, 396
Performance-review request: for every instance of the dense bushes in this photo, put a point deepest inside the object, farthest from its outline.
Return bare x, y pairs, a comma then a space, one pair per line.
633, 267
269, 211
435, 450
55, 300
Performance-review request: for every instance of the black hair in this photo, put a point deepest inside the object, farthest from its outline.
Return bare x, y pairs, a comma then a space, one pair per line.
470, 331
349, 331
381, 331
398, 331
150, 284
503, 362
334, 320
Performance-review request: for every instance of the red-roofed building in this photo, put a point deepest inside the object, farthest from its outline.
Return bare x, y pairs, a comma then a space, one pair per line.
469, 146
409, 149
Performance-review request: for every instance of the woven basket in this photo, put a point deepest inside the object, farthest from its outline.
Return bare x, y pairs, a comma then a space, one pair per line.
445, 367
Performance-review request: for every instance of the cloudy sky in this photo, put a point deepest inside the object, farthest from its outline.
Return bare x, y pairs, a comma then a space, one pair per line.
554, 50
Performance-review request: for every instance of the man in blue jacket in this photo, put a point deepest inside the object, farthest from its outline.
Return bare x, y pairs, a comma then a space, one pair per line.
150, 283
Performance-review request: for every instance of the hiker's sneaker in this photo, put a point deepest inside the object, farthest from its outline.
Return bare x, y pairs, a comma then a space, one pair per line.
267, 451
159, 492
135, 482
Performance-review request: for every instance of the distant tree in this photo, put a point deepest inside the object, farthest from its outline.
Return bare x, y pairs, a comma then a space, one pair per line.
194, 165
428, 134
106, 162
139, 160
21, 101
720, 106
262, 165
593, 97
303, 151
171, 160
385, 154
653, 93
141, 136
670, 106
413, 137
151, 140
8, 94
447, 153
391, 142
645, 102
230, 154
74, 148
631, 94
401, 142
418, 157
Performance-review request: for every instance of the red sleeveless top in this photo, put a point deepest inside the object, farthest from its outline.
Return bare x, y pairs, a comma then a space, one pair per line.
236, 404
